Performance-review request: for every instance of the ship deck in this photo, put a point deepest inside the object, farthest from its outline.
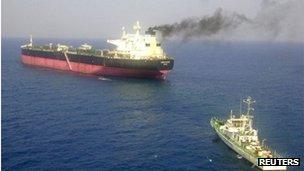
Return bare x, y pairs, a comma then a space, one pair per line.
92, 52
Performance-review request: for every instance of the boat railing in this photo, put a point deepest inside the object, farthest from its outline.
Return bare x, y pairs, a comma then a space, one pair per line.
242, 146
95, 52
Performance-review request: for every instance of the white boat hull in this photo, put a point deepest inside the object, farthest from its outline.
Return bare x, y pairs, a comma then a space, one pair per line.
250, 158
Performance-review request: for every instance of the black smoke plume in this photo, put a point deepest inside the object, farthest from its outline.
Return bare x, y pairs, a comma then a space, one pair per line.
205, 26
274, 21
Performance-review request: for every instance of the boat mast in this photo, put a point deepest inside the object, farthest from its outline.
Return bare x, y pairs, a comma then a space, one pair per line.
123, 31
137, 28
240, 106
249, 101
31, 41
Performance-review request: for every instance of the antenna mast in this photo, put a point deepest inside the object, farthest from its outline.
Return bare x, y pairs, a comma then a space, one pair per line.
240, 106
31, 40
123, 31
249, 101
137, 27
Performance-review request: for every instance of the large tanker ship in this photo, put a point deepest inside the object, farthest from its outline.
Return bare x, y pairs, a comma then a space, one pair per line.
136, 55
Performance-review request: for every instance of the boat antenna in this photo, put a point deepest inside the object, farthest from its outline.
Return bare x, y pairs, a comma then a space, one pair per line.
123, 31
263, 142
137, 27
249, 101
240, 106
31, 40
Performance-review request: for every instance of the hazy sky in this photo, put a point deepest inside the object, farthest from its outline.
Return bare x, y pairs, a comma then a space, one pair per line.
104, 18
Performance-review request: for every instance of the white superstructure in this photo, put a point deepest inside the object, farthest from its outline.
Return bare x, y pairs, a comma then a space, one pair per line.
239, 134
240, 129
138, 46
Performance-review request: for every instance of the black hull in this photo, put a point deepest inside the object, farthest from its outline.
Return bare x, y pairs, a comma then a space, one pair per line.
152, 65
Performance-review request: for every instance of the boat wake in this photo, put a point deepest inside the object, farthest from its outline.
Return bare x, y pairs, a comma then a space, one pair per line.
104, 79
239, 156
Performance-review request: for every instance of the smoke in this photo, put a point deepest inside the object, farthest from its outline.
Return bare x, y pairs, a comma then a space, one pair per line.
275, 21
205, 26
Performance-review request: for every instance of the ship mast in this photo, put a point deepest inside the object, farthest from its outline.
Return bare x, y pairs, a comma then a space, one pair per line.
137, 28
31, 41
123, 31
240, 106
231, 114
249, 101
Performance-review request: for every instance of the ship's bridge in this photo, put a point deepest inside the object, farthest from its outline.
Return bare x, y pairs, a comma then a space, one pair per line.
139, 46
242, 125
238, 122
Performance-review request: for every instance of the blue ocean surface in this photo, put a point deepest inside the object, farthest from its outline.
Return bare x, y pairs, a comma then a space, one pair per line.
55, 120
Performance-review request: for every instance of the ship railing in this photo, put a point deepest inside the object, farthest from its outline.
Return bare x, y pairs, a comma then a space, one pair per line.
264, 147
255, 154
217, 122
41, 48
95, 52
242, 146
127, 55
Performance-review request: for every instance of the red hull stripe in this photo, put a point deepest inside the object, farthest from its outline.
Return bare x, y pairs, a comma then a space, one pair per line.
92, 69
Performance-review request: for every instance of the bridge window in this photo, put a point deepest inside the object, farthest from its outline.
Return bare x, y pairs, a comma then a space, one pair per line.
158, 44
147, 44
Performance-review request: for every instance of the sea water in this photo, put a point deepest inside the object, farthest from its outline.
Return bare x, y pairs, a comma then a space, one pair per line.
57, 120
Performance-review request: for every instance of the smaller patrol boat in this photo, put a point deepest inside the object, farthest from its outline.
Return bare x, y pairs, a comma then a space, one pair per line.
239, 135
